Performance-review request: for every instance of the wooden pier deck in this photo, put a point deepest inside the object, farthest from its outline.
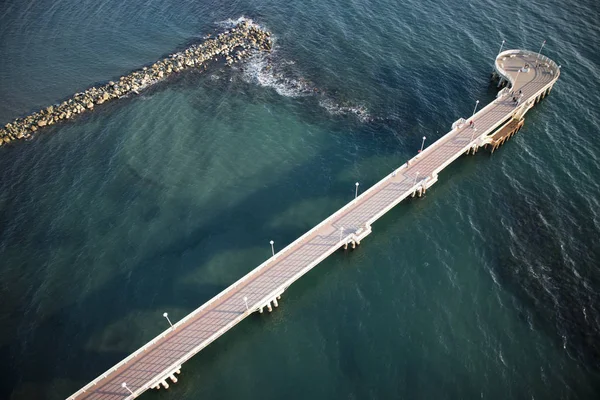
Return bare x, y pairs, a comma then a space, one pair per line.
158, 361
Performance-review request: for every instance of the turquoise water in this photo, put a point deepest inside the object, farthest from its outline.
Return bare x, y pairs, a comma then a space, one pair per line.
486, 288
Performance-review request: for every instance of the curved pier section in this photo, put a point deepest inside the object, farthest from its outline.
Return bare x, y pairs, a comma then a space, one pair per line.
525, 78
232, 45
531, 78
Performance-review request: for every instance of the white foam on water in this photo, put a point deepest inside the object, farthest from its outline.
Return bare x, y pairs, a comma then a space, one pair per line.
231, 23
361, 112
261, 70
267, 71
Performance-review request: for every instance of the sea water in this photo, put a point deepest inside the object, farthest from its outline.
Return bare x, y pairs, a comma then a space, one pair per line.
488, 287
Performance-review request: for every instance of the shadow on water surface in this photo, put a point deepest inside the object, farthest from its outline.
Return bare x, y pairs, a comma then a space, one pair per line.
41, 363
547, 261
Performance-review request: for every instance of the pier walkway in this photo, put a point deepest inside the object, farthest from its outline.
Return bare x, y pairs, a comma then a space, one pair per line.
161, 359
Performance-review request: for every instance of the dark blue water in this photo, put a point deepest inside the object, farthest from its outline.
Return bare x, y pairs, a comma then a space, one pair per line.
486, 288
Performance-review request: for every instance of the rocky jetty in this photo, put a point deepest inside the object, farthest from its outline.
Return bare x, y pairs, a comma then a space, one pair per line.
231, 46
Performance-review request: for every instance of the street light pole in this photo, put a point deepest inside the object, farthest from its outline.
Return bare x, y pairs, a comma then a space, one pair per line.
539, 52
356, 191
272, 248
502, 45
475, 109
167, 317
422, 144
124, 385
246, 302
341, 233
416, 177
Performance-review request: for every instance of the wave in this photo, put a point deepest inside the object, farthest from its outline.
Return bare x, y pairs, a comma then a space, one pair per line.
271, 71
260, 69
232, 23
361, 111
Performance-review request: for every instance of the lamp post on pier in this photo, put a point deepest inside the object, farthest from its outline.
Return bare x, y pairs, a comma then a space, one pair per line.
475, 109
356, 191
422, 144
539, 52
341, 233
272, 247
416, 177
167, 317
124, 386
246, 303
502, 45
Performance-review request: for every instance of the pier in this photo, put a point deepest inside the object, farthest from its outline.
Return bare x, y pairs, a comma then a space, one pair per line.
524, 77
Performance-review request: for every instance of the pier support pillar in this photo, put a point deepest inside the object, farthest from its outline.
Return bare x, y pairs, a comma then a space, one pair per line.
165, 384
269, 307
173, 379
275, 303
353, 244
260, 310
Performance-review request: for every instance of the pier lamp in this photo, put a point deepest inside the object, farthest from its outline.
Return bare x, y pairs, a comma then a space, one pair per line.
124, 386
356, 191
539, 52
416, 177
167, 317
502, 45
272, 247
475, 109
422, 144
246, 302
341, 233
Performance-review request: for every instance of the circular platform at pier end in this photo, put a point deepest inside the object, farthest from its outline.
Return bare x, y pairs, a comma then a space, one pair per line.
526, 70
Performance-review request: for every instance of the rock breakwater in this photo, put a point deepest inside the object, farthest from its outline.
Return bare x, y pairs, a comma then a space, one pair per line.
233, 45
